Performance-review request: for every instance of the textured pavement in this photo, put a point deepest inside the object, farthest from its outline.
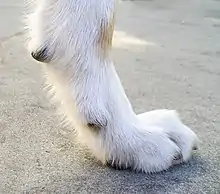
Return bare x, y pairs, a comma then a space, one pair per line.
167, 54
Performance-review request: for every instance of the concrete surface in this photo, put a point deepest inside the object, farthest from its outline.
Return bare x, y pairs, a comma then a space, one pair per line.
168, 56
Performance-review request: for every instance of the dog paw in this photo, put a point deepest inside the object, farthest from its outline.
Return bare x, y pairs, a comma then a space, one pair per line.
158, 142
150, 150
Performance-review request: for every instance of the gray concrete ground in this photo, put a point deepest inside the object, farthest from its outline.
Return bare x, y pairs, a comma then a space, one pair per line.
167, 54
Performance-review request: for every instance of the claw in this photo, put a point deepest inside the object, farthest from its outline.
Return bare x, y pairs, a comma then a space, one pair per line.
177, 159
116, 166
41, 55
195, 148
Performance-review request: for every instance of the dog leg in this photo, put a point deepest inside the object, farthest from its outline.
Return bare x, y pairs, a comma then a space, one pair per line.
90, 93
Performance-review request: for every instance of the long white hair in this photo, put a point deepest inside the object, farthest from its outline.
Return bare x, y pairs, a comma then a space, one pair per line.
73, 39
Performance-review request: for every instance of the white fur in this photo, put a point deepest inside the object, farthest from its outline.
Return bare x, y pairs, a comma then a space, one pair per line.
84, 82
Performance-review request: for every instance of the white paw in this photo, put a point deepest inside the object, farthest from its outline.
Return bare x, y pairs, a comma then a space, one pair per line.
147, 150
169, 122
157, 143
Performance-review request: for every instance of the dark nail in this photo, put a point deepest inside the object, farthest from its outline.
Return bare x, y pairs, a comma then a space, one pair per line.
41, 55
